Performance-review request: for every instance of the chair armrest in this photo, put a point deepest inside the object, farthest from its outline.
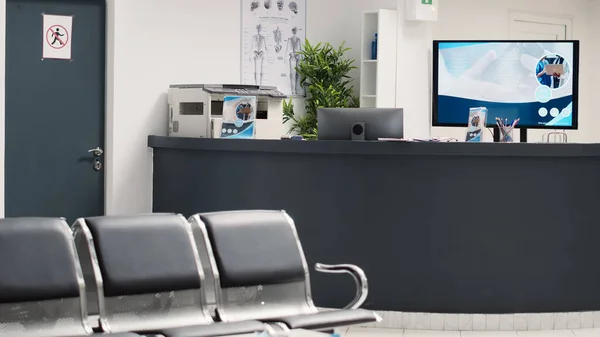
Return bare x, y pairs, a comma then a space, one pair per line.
362, 286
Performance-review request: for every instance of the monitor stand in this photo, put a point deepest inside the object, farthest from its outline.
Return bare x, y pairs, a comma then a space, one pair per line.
523, 134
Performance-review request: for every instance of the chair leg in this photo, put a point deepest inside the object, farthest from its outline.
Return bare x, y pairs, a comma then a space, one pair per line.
338, 332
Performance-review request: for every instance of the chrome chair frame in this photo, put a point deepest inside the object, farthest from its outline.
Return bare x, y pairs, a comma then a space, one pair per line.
297, 297
198, 315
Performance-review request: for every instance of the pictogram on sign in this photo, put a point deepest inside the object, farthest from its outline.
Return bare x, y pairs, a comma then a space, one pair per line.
57, 37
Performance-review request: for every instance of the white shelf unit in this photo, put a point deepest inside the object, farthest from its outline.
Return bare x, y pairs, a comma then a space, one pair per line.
378, 77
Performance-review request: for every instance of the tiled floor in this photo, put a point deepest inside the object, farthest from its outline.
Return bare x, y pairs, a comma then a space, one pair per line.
373, 332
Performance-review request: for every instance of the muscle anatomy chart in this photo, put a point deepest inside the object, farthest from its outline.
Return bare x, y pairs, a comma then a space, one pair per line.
273, 34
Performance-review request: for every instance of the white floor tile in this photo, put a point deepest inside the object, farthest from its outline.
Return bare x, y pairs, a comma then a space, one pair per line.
451, 322
394, 320
587, 320
596, 319
492, 322
574, 320
409, 320
423, 322
385, 320
507, 322
520, 322
488, 334
479, 322
465, 322
416, 333
374, 332
561, 321
554, 333
547, 322
587, 333
534, 322
437, 321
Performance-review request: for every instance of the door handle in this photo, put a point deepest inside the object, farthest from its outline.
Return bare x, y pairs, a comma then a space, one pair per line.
97, 152
97, 164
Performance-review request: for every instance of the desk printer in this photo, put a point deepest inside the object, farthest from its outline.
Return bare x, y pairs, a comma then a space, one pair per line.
196, 110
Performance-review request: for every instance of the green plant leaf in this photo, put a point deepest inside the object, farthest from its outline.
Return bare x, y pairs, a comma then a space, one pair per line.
324, 73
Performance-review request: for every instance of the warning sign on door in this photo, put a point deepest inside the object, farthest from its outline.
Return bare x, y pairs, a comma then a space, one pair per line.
57, 37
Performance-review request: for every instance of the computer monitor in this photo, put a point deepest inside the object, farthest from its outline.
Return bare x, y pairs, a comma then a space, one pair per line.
360, 123
535, 82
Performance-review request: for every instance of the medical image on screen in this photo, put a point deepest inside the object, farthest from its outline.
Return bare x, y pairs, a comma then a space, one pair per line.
553, 71
530, 81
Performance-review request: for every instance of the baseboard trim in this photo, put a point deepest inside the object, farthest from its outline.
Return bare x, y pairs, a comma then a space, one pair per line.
487, 322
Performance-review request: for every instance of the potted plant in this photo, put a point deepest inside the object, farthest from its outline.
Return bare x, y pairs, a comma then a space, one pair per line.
324, 74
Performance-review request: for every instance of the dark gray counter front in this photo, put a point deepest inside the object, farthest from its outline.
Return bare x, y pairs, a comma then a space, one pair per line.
454, 228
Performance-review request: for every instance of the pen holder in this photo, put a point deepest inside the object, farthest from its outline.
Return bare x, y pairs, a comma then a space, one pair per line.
506, 134
505, 130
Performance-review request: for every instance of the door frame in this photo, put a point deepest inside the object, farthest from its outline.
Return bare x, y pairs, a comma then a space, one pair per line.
108, 145
515, 17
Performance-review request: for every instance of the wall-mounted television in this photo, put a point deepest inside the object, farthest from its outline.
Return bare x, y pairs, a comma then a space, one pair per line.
534, 81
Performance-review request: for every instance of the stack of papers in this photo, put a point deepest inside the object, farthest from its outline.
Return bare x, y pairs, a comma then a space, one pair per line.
431, 140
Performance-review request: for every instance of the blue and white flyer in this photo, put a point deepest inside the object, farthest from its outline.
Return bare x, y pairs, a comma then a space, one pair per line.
239, 117
477, 118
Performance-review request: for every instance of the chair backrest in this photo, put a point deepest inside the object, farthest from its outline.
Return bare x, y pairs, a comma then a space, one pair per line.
145, 269
257, 264
41, 284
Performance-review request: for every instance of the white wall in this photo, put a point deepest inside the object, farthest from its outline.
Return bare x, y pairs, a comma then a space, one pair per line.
475, 19
2, 106
158, 43
413, 78
162, 42
592, 49
458, 19
338, 21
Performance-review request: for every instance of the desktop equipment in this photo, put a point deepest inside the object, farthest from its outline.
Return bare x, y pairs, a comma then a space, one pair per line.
535, 82
196, 110
360, 123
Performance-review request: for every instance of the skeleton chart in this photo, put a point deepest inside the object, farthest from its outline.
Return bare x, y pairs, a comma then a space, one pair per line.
273, 32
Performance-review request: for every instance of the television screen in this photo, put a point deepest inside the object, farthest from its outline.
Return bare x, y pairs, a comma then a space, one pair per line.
534, 81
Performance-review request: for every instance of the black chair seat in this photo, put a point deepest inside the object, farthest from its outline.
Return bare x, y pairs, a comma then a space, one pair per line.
215, 330
328, 319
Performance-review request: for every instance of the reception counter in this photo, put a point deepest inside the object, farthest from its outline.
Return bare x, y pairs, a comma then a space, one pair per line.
437, 227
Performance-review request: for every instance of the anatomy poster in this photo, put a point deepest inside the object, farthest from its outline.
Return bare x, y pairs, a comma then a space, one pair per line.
273, 32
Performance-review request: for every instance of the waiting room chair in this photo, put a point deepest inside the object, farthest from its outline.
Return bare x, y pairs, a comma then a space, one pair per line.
260, 272
147, 276
41, 285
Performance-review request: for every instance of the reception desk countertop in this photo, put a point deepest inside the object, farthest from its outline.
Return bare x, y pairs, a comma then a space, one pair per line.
378, 148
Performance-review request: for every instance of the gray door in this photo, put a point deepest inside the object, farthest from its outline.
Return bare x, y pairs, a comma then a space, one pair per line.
54, 112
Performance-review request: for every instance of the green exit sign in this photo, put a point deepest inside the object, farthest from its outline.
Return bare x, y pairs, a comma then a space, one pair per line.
427, 2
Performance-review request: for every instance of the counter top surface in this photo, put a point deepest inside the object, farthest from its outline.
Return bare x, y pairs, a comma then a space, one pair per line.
378, 148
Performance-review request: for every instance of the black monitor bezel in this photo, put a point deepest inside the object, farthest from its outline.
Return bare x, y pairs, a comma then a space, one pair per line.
575, 79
